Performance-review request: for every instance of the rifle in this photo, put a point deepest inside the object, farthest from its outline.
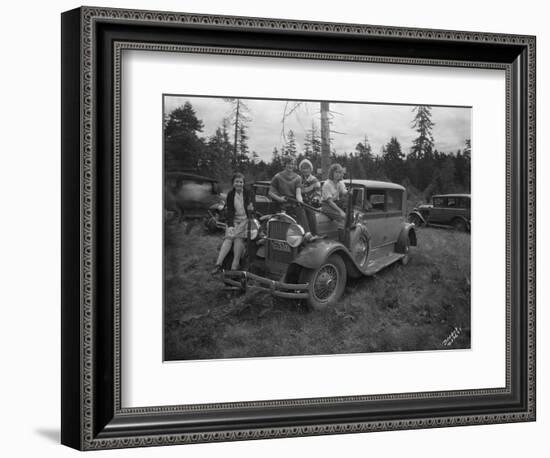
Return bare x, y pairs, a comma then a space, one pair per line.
303, 204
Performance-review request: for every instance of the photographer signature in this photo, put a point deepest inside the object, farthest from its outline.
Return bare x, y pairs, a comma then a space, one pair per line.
448, 341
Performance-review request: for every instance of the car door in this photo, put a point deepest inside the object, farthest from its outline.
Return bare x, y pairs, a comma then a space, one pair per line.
465, 204
437, 213
452, 210
394, 214
373, 216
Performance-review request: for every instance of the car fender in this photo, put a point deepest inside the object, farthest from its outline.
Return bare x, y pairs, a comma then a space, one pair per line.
408, 233
314, 254
466, 221
417, 213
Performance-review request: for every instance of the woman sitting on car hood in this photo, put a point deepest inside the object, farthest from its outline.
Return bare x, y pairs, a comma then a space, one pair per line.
239, 207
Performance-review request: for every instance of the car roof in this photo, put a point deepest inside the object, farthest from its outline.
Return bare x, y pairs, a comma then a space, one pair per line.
190, 176
374, 184
451, 195
370, 184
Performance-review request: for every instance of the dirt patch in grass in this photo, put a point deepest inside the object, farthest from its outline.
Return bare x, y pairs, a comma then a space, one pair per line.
422, 306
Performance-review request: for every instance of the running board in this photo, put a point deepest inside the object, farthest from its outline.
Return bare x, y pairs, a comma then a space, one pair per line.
377, 265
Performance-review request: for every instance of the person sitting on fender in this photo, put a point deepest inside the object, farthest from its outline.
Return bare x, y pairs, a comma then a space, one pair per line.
286, 186
332, 193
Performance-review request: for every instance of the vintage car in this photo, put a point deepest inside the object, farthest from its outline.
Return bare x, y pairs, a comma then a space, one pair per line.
190, 196
374, 235
448, 210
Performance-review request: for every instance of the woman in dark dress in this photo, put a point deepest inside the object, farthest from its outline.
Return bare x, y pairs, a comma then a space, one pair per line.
239, 207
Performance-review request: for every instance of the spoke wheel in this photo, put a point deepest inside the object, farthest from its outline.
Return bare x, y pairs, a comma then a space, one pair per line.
326, 283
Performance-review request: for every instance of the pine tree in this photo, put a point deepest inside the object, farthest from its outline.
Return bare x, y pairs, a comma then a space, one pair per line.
393, 160
275, 165
220, 153
239, 117
422, 123
468, 148
182, 121
242, 147
182, 144
463, 166
312, 143
290, 145
364, 149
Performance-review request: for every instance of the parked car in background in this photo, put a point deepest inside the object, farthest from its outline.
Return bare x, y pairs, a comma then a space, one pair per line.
190, 196
375, 234
449, 210
264, 204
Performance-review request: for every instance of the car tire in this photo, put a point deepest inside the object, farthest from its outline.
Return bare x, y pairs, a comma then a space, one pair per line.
459, 225
326, 283
415, 219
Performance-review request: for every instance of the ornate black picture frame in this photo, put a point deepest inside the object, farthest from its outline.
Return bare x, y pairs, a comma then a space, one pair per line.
92, 414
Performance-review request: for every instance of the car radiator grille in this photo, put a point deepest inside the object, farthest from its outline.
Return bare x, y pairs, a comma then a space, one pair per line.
277, 231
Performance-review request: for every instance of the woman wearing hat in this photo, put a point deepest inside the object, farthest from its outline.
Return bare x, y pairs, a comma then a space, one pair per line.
286, 189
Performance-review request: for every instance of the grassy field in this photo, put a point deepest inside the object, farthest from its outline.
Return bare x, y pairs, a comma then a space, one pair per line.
422, 306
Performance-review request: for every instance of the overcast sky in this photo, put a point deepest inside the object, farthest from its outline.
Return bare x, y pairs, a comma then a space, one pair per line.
350, 123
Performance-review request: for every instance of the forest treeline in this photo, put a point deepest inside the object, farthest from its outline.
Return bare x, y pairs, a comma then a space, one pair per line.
421, 168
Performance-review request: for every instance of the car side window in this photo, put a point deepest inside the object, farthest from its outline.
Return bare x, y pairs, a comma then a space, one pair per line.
395, 200
464, 202
439, 202
451, 202
358, 197
376, 200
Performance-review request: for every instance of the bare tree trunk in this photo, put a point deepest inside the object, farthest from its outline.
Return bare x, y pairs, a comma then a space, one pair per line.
236, 133
325, 139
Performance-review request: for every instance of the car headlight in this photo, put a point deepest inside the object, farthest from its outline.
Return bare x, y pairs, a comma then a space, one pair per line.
254, 229
294, 235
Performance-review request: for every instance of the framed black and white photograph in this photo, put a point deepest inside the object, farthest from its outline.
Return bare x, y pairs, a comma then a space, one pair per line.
277, 228
258, 249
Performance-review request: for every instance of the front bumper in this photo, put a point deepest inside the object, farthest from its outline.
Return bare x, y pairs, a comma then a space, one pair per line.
245, 280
